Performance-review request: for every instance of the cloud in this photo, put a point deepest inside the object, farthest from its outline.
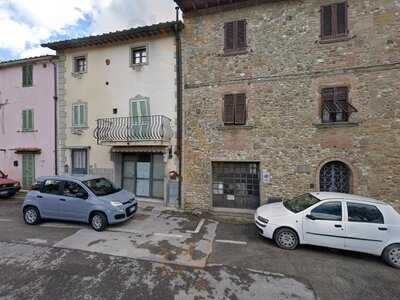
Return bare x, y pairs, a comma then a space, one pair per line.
25, 24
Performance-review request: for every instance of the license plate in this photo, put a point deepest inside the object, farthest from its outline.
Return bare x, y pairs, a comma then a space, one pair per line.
3, 193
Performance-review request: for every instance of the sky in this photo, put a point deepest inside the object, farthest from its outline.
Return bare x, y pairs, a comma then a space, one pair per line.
25, 24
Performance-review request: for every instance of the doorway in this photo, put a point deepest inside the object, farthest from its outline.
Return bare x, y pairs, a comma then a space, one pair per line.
143, 175
28, 170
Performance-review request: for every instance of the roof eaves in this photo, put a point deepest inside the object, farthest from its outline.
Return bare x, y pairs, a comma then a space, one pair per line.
113, 37
21, 61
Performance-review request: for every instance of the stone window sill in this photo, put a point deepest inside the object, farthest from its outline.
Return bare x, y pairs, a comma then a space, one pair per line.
336, 124
233, 53
337, 40
234, 127
28, 131
79, 127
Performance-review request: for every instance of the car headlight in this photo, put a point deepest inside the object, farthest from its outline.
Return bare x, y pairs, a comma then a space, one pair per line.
261, 219
116, 204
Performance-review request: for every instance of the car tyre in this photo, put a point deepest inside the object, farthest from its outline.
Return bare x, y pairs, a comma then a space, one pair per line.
98, 221
391, 255
31, 215
286, 238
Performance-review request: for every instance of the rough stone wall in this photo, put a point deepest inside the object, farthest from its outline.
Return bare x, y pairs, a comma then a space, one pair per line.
282, 75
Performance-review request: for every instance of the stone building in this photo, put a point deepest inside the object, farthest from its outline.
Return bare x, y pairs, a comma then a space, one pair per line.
285, 97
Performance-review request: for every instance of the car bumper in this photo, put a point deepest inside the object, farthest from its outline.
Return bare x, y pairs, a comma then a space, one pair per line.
265, 229
5, 192
124, 213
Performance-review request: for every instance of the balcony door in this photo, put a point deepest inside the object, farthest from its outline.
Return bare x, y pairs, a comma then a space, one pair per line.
140, 118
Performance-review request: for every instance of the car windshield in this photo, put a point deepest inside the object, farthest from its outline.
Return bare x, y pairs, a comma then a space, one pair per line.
101, 186
300, 203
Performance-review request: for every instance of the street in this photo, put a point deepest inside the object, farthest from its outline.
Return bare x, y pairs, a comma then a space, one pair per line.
162, 254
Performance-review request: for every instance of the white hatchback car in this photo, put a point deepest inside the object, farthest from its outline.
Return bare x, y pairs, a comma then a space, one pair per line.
334, 220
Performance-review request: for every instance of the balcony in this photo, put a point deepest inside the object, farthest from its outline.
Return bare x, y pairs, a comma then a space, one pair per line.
132, 130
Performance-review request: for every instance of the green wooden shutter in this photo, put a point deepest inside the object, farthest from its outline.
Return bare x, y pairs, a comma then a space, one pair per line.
30, 119
30, 75
27, 119
24, 120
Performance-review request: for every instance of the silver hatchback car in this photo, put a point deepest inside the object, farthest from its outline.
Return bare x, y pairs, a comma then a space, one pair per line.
88, 199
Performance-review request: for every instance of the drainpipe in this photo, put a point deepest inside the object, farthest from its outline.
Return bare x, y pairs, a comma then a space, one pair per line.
55, 120
179, 101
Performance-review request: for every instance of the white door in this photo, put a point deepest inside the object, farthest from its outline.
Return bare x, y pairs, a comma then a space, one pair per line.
366, 229
323, 225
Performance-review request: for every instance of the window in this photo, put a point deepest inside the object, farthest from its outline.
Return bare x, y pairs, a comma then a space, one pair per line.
79, 115
80, 64
300, 203
236, 184
329, 211
335, 105
101, 187
364, 213
51, 187
74, 190
79, 161
235, 36
27, 75
139, 56
27, 120
335, 176
334, 21
235, 109
140, 108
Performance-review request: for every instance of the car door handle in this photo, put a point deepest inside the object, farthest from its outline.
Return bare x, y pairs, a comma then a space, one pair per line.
62, 199
338, 226
382, 228
39, 196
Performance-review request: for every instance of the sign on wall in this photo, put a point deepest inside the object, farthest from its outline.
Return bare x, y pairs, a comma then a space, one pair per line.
266, 176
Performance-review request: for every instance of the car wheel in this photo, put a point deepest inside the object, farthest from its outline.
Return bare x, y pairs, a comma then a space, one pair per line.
391, 255
31, 215
286, 238
98, 221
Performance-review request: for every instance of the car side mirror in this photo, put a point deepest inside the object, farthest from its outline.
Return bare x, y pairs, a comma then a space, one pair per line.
311, 217
83, 196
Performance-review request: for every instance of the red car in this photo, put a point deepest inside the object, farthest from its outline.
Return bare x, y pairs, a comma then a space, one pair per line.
8, 187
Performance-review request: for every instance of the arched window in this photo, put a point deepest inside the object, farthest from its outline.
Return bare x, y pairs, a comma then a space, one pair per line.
335, 176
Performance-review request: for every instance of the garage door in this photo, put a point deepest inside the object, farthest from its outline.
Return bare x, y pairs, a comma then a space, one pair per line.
236, 185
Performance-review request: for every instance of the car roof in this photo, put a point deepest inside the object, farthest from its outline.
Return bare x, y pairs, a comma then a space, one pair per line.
76, 178
331, 195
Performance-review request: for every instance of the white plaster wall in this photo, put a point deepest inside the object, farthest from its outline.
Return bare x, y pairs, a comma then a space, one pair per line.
156, 80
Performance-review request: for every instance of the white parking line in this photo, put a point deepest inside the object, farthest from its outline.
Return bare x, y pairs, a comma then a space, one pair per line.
198, 228
231, 242
5, 220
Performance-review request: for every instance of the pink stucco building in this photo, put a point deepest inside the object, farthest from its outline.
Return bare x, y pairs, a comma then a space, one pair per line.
27, 120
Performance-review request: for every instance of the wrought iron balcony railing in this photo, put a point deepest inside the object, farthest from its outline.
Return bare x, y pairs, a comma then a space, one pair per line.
133, 129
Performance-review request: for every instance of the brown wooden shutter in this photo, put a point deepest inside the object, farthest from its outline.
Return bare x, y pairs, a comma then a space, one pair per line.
240, 109
229, 109
326, 21
229, 36
341, 18
241, 34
